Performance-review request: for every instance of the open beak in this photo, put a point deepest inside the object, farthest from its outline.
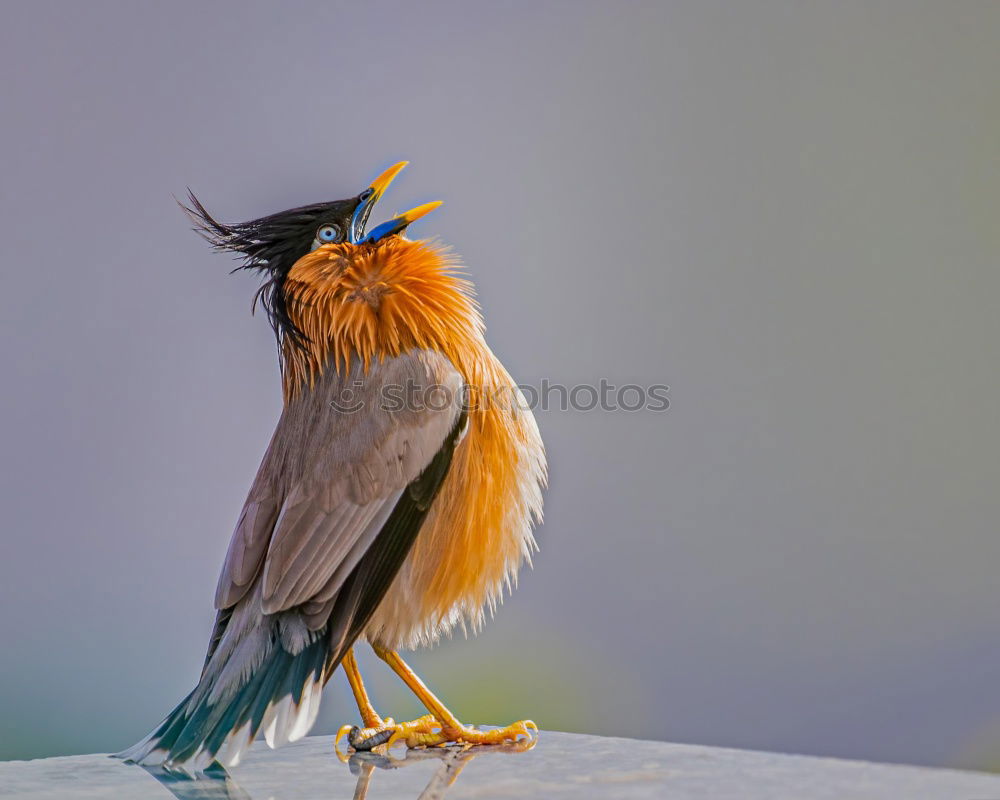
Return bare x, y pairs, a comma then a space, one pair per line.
367, 200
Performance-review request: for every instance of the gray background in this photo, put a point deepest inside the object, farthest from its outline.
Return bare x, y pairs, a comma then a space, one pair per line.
785, 211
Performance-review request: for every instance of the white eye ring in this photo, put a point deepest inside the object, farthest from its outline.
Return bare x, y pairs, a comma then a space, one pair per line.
327, 234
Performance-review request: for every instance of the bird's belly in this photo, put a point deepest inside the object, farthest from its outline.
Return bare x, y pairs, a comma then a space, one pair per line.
475, 538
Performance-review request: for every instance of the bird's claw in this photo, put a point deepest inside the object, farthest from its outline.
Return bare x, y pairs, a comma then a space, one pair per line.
427, 731
511, 734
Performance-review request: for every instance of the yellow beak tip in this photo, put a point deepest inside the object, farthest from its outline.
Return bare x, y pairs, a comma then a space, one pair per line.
381, 183
420, 211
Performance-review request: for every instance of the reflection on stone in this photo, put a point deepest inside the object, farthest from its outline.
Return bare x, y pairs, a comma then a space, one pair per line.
213, 784
217, 784
562, 766
453, 761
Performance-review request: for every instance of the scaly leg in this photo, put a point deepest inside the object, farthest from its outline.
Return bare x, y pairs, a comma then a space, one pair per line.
450, 728
369, 716
376, 731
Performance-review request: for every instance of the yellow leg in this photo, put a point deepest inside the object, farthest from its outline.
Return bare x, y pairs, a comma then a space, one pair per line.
451, 729
376, 731
369, 716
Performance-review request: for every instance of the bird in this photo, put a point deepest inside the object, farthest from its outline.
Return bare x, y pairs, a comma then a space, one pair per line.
396, 501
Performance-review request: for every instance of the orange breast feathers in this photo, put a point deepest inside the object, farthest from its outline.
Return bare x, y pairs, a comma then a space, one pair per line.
380, 300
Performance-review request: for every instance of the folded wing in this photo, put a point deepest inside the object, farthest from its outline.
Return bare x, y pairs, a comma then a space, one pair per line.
339, 461
347, 480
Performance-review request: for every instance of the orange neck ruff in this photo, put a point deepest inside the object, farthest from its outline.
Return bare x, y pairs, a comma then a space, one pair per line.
377, 301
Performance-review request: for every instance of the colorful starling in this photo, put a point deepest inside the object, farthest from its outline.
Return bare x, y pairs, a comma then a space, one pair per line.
395, 501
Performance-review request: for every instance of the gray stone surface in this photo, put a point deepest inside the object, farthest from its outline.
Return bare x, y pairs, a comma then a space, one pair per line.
561, 765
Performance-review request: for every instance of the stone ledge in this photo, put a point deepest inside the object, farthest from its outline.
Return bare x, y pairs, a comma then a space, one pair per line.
561, 765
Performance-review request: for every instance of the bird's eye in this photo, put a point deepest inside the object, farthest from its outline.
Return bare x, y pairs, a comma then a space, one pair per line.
327, 234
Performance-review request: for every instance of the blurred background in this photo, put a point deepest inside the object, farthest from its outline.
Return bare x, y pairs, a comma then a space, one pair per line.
785, 211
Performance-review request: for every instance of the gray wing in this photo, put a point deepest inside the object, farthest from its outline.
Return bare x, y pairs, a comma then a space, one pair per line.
340, 459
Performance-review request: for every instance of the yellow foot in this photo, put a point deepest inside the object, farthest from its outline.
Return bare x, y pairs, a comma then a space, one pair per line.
467, 734
429, 732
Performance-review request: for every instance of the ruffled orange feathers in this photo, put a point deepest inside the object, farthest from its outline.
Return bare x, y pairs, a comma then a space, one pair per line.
374, 301
379, 300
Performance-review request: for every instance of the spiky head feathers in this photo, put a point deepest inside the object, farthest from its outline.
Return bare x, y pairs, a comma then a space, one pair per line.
274, 244
333, 292
271, 245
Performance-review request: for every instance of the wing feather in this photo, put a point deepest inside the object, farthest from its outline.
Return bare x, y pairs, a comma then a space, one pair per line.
331, 480
363, 590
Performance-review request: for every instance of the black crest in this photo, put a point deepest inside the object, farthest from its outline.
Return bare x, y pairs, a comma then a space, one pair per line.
271, 245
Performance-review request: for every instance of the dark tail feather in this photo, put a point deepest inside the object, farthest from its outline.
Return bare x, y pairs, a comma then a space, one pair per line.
218, 723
